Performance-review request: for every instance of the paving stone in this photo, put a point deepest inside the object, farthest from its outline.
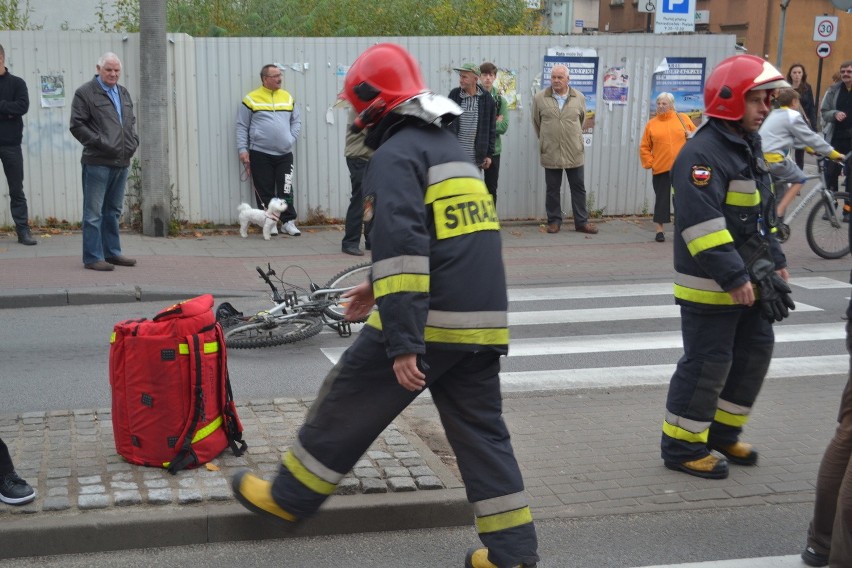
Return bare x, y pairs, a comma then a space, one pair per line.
420, 471
160, 496
377, 455
57, 492
368, 472
372, 485
156, 483
428, 482
100, 501
89, 480
56, 503
126, 498
92, 489
59, 472
188, 496
398, 471
125, 485
401, 484
220, 494
348, 486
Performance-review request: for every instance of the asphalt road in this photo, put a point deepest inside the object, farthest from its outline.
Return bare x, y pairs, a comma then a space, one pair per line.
601, 542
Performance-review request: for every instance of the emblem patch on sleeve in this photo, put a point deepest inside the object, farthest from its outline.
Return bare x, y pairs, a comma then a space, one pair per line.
701, 175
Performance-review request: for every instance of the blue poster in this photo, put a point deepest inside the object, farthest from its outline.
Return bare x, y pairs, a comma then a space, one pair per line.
683, 77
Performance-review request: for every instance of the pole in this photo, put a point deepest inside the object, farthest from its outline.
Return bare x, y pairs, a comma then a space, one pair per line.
784, 4
648, 23
818, 86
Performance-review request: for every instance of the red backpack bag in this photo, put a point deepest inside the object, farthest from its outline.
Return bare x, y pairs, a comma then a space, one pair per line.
172, 404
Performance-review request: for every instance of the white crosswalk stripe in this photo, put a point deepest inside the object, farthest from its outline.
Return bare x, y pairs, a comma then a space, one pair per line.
765, 562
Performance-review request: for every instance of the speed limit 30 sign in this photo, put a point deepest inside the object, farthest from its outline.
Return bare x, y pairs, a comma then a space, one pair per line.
825, 28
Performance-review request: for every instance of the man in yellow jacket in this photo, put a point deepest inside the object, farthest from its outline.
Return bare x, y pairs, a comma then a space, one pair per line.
558, 113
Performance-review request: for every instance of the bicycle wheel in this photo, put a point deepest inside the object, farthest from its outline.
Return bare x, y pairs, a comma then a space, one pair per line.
256, 334
827, 234
352, 276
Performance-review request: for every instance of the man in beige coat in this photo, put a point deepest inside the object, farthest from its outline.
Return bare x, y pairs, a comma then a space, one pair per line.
558, 113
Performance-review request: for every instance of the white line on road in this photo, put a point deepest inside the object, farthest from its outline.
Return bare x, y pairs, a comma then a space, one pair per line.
794, 561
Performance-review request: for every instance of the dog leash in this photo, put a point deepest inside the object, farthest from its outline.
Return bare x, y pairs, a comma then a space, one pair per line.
246, 176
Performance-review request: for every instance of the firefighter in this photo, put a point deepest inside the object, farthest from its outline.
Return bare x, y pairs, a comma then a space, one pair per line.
439, 285
731, 274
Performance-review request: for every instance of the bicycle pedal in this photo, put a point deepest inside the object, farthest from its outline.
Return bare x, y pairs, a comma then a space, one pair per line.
344, 329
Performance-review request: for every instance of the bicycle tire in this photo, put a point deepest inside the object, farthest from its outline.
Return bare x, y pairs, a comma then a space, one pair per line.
828, 238
352, 276
254, 335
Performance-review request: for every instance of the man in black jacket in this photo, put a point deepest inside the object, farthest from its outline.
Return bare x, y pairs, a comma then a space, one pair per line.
476, 128
102, 120
14, 104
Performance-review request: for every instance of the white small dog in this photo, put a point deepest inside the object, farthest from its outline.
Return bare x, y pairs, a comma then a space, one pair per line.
267, 219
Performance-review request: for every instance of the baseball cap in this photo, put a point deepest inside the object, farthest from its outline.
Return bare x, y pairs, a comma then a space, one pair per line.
471, 67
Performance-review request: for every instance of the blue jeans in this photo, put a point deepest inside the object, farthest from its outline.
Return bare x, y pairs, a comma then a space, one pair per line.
103, 198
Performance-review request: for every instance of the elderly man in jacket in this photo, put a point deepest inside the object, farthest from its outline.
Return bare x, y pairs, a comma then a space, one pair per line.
558, 113
476, 127
102, 120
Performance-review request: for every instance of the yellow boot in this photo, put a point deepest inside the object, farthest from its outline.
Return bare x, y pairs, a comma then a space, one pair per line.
708, 467
739, 453
255, 494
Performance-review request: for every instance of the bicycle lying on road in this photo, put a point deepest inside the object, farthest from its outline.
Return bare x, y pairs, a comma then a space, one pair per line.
298, 313
825, 228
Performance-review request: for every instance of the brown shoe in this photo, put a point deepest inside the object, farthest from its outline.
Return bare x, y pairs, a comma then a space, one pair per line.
588, 228
121, 260
100, 266
739, 453
708, 467
552, 228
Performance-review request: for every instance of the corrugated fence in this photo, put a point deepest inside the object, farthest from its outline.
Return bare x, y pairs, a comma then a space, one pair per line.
209, 76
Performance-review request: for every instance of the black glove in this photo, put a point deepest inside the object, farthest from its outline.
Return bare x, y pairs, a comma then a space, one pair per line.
775, 301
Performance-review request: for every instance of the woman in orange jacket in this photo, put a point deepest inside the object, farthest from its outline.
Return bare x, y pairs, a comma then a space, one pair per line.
664, 136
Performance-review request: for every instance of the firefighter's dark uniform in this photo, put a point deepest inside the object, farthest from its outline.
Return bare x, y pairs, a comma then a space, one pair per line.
722, 195
440, 288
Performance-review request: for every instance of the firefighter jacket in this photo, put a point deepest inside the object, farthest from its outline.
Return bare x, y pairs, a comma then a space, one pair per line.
268, 121
438, 275
722, 196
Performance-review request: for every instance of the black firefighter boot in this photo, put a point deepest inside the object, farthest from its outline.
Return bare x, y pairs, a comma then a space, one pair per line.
25, 237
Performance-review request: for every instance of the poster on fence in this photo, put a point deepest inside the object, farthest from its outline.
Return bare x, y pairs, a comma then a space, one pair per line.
52, 90
683, 77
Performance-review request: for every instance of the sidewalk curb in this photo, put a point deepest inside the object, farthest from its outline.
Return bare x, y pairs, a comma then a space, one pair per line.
181, 526
11, 299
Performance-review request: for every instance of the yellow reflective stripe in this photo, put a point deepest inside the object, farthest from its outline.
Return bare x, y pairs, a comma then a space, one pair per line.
454, 187
209, 347
774, 158
112, 337
400, 265
448, 170
305, 477
738, 199
496, 336
261, 99
401, 283
464, 214
712, 240
679, 433
737, 420
703, 296
207, 430
374, 320
503, 521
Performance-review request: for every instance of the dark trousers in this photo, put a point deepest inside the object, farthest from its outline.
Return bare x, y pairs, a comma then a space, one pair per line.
553, 199
492, 174
662, 197
6, 465
360, 397
832, 169
13, 167
799, 158
726, 354
830, 531
273, 177
355, 212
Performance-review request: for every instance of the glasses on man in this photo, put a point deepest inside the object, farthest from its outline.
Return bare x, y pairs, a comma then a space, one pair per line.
273, 76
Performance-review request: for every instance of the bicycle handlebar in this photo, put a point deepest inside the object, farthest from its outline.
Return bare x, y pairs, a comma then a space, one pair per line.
276, 297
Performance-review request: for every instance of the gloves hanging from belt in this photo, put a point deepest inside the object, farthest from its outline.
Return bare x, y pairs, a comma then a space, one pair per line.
775, 301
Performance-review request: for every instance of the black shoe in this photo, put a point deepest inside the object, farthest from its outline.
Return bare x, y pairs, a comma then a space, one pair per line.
14, 490
121, 260
354, 251
813, 558
26, 238
661, 237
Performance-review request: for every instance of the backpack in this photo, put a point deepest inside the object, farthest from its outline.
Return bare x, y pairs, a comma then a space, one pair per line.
172, 404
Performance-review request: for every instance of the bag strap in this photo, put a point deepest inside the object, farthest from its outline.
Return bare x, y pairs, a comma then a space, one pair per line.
231, 424
187, 456
677, 114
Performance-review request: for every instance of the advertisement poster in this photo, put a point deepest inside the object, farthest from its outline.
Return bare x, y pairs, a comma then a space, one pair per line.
582, 74
52, 90
615, 85
507, 85
683, 77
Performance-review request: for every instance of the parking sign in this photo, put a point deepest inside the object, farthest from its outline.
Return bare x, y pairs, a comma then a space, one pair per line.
675, 6
675, 16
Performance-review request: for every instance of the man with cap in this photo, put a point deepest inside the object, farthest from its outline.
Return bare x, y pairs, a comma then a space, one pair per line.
476, 128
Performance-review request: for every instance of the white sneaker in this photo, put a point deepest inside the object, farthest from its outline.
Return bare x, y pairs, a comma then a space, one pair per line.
290, 228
